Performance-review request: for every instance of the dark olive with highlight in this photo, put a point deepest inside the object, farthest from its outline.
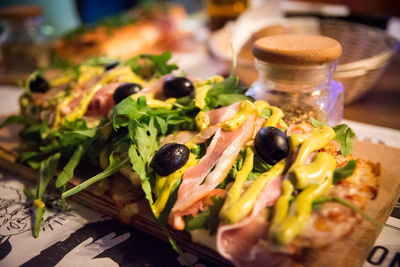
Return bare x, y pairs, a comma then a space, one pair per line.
39, 85
177, 87
271, 144
125, 90
170, 158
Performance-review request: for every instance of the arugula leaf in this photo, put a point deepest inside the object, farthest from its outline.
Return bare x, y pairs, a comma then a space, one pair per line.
224, 93
260, 166
112, 168
47, 171
208, 219
145, 137
161, 63
266, 113
315, 122
139, 166
29, 193
17, 119
317, 203
68, 170
48, 168
345, 171
345, 137
253, 175
38, 220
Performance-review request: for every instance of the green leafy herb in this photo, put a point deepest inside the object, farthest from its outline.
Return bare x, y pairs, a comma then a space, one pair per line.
68, 171
47, 171
224, 93
253, 175
260, 166
208, 219
113, 167
345, 137
38, 220
29, 193
266, 113
345, 171
315, 122
161, 63
149, 66
319, 201
17, 119
48, 168
139, 166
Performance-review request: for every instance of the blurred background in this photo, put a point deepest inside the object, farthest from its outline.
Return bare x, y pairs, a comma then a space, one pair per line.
201, 33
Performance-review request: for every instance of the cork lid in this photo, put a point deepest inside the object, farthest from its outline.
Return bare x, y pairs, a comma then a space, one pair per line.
297, 49
21, 12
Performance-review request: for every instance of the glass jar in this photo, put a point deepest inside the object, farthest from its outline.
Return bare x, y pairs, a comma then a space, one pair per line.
23, 46
298, 78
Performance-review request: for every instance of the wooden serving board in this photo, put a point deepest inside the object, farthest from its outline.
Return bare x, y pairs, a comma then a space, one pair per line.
351, 251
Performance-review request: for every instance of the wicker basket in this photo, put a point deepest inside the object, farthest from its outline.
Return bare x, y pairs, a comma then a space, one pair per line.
366, 52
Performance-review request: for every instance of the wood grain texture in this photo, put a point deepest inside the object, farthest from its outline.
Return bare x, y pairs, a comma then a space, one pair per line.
350, 251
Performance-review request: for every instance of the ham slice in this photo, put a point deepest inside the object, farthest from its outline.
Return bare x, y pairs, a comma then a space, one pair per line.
156, 88
300, 128
242, 243
102, 101
200, 180
216, 117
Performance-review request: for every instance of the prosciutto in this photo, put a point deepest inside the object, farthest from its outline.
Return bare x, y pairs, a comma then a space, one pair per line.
216, 117
200, 180
102, 101
242, 242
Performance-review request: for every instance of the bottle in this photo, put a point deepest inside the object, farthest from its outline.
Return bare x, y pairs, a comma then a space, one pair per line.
295, 74
23, 46
222, 11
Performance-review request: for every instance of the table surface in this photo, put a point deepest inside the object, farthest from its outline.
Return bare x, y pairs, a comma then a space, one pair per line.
381, 105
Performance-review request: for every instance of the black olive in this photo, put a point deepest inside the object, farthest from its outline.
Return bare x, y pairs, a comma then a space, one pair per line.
125, 90
177, 87
39, 85
111, 65
169, 158
271, 144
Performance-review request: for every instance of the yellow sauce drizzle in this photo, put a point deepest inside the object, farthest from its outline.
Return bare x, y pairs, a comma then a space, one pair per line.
201, 90
200, 95
315, 179
164, 185
64, 79
276, 113
303, 176
245, 109
120, 74
202, 120
276, 116
237, 187
88, 72
39, 203
155, 103
314, 140
291, 226
282, 205
243, 206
